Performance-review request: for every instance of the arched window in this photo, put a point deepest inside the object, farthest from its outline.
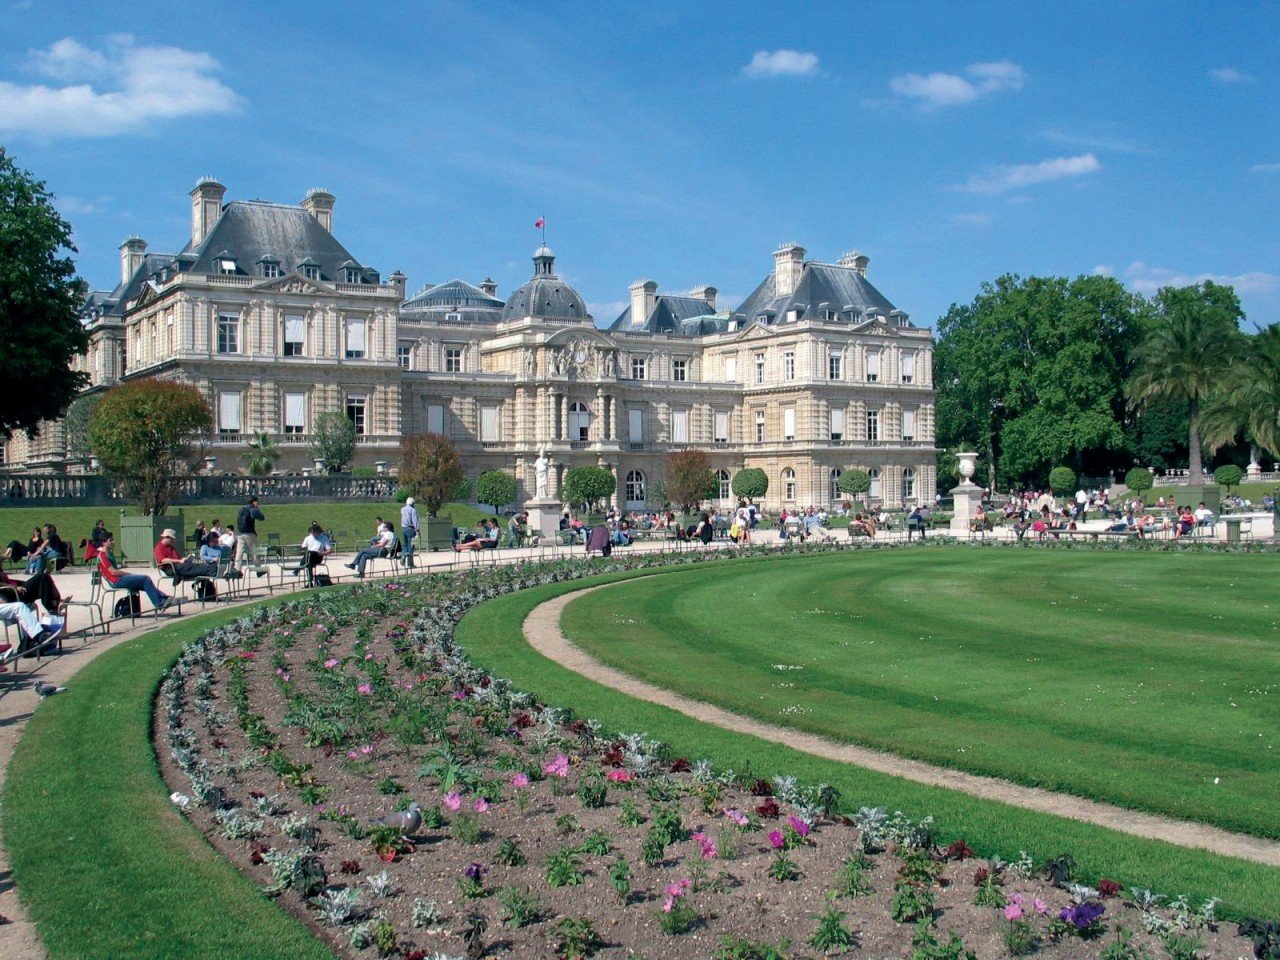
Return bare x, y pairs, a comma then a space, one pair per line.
874, 491
579, 421
635, 487
908, 483
722, 477
834, 492
788, 484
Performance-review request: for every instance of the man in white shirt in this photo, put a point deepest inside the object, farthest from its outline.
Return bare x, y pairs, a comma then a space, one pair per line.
381, 547
1204, 516
1082, 501
408, 530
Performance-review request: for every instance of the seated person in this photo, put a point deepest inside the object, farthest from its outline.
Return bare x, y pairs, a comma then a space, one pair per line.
380, 547
176, 565
620, 536
28, 621
486, 539
1147, 523
49, 548
315, 547
17, 550
1204, 516
39, 587
1185, 523
916, 523
212, 551
979, 522
1124, 525
861, 526
132, 582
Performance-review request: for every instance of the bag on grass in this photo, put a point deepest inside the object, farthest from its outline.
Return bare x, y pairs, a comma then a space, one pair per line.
206, 590
323, 580
122, 607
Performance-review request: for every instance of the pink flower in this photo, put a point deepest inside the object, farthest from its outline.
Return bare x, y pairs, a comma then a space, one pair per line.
367, 749
365, 688
1013, 911
622, 776
559, 767
331, 663
799, 826
1018, 898
1039, 906
708, 846
775, 839
520, 780
481, 805
737, 817
452, 800
353, 755
459, 694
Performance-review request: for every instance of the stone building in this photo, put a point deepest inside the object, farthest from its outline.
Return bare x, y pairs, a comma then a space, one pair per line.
276, 322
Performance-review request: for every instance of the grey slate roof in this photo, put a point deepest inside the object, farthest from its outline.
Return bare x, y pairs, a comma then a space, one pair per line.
546, 296
111, 303
454, 293
820, 283
249, 230
668, 315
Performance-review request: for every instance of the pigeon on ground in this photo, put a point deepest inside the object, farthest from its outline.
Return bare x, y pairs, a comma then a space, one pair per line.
46, 690
406, 821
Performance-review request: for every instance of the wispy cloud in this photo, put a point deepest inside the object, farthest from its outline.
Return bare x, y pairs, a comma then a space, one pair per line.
1085, 142
1148, 279
120, 87
1104, 270
936, 90
70, 206
1001, 179
781, 63
1231, 75
1265, 168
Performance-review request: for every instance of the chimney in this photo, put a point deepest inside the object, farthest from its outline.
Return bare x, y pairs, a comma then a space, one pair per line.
131, 253
642, 297
319, 203
856, 260
489, 288
206, 208
706, 293
398, 281
788, 264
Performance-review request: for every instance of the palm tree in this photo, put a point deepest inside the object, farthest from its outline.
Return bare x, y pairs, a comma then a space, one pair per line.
1188, 352
1250, 400
261, 457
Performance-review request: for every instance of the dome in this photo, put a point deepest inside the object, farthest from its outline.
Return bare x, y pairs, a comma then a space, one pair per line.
454, 293
546, 296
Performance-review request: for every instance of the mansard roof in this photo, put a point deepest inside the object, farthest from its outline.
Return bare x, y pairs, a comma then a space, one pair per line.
668, 315
111, 303
845, 291
453, 293
250, 230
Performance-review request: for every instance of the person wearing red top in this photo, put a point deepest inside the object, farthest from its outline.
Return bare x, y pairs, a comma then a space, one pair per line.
133, 582
176, 565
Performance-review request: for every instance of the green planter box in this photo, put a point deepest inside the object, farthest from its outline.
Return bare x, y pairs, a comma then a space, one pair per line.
438, 532
139, 535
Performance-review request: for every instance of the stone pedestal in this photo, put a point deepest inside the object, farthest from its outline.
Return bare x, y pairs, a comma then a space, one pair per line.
967, 497
544, 515
1254, 471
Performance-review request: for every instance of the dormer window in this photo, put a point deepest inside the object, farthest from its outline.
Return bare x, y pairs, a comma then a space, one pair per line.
269, 268
351, 275
453, 317
311, 271
226, 265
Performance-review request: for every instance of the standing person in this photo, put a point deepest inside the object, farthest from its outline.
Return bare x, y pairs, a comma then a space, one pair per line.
408, 529
247, 535
129, 581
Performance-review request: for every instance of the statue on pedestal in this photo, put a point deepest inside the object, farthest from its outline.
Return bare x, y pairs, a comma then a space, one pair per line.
540, 474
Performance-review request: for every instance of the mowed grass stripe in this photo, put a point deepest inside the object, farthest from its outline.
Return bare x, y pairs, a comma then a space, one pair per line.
1136, 679
493, 636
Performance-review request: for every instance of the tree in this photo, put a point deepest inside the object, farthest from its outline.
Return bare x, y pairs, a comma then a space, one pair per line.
854, 481
260, 459
1192, 342
1032, 372
1229, 475
146, 434
333, 441
429, 465
75, 425
1250, 399
588, 486
689, 479
1139, 480
40, 298
496, 488
750, 482
1062, 480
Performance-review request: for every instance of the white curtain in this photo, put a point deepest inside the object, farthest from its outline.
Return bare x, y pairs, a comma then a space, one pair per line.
722, 426
489, 424
908, 367
908, 424
229, 412
837, 424
355, 336
731, 369
295, 409
435, 418
680, 426
788, 423
293, 326
635, 426
873, 364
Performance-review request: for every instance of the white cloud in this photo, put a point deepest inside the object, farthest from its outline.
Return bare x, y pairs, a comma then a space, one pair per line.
1265, 168
119, 88
70, 206
1231, 75
1001, 179
935, 90
782, 63
1147, 279
1113, 144
1104, 270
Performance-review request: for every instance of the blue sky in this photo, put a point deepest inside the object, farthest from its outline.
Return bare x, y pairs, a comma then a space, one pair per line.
950, 142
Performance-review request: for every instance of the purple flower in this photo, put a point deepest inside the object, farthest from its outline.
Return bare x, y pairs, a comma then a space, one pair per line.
1082, 915
799, 826
775, 839
475, 872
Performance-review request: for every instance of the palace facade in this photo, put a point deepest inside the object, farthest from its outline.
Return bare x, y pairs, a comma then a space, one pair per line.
277, 323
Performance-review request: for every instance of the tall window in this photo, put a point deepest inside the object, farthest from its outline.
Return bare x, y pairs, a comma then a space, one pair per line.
722, 477
295, 412
721, 427
759, 368
789, 365
835, 367
788, 484
228, 412
731, 369
759, 426
635, 426
874, 490
788, 423
635, 487
435, 418
833, 486
873, 424
639, 368
909, 367
452, 359
404, 354
357, 407
908, 425
579, 421
873, 366
837, 424
294, 327
908, 483
355, 338
489, 423
228, 333
679, 370
679, 426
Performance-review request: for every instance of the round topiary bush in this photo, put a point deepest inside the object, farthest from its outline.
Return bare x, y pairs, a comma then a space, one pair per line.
751, 482
1139, 480
1229, 475
1062, 480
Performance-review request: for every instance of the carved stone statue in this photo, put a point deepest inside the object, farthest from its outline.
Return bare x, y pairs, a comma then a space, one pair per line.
540, 474
609, 369
530, 364
560, 362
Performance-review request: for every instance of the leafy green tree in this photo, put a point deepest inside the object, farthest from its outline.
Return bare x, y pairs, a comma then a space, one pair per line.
1229, 475
1062, 480
1192, 342
333, 441
689, 479
496, 488
588, 486
40, 299
1250, 399
260, 459
855, 481
750, 482
1032, 372
146, 434
429, 465
75, 425
1157, 435
1139, 480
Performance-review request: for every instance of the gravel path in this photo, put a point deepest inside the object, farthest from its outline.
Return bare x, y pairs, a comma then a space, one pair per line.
542, 631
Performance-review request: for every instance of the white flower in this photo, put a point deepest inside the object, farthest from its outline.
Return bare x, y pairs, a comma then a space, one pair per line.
181, 799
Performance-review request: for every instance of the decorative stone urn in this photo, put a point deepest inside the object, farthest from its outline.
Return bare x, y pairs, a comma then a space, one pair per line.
966, 494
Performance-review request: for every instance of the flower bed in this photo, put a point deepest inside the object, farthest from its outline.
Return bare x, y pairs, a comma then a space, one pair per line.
287, 734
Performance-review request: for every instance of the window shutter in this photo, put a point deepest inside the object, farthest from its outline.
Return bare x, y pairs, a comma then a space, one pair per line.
229, 411
295, 409
635, 426
837, 423
435, 418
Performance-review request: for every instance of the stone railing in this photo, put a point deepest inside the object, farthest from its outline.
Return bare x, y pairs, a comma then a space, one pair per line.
1179, 478
40, 490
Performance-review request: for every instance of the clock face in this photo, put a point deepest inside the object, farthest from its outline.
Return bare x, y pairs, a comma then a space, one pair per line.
579, 355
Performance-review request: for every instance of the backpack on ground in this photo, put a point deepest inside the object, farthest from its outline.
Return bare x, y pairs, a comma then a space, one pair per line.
206, 590
123, 605
323, 580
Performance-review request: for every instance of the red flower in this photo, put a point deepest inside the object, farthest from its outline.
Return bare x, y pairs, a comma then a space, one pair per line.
769, 808
680, 765
1108, 888
762, 788
958, 851
350, 867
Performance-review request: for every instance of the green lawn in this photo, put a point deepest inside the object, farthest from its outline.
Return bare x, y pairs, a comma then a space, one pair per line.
1250, 491
1148, 680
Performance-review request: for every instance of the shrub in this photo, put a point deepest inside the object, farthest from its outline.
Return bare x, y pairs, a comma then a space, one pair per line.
575, 939
496, 488
1139, 480
751, 482
1062, 480
1229, 475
